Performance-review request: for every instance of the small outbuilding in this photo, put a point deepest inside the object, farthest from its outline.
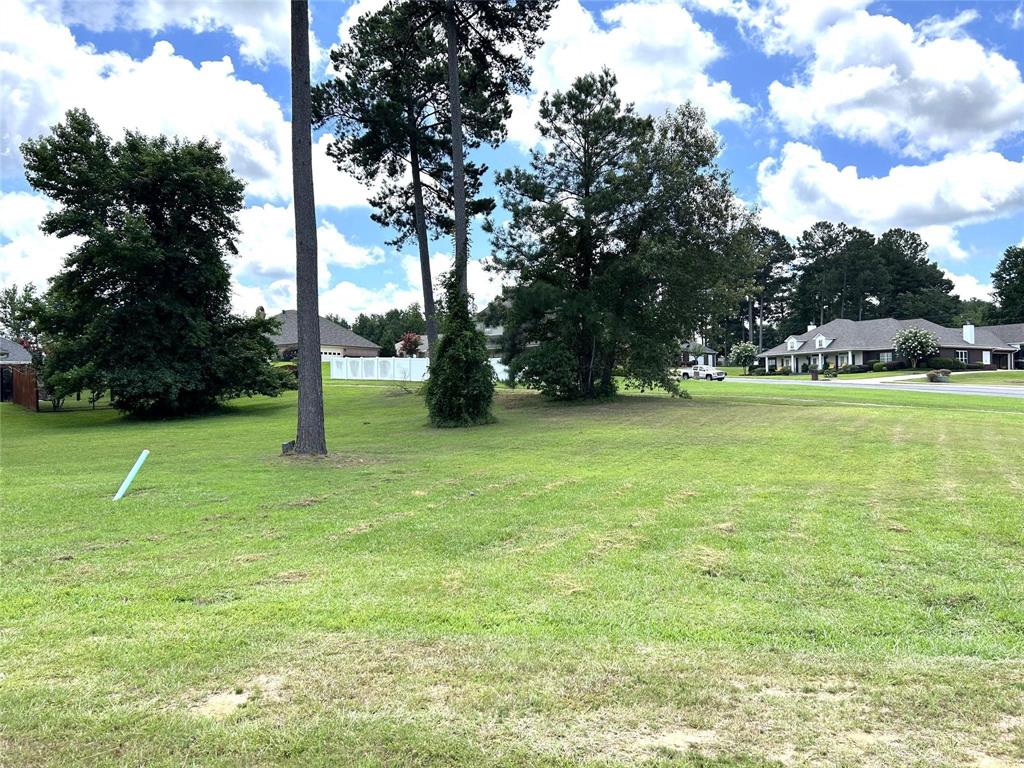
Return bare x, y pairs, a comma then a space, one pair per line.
16, 362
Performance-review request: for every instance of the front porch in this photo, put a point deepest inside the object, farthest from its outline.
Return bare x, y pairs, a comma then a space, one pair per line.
796, 362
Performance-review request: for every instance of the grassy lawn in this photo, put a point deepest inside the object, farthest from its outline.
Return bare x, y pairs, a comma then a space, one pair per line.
757, 576
852, 376
995, 378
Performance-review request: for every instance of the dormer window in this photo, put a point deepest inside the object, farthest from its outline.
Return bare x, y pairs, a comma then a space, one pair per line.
820, 342
793, 344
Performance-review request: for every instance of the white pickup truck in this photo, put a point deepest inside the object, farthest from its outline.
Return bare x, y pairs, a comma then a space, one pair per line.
706, 372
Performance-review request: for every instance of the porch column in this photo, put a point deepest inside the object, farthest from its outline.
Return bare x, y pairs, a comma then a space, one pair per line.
766, 363
792, 364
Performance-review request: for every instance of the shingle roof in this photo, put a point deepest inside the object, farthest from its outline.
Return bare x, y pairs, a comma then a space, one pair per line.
12, 353
877, 334
331, 333
1010, 334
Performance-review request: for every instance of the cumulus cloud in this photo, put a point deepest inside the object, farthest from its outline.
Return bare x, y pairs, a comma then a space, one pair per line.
261, 28
161, 93
784, 26
27, 255
657, 50
969, 287
266, 247
873, 78
801, 187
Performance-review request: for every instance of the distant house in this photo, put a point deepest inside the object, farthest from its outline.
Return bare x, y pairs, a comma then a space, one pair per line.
697, 353
852, 342
1013, 336
335, 340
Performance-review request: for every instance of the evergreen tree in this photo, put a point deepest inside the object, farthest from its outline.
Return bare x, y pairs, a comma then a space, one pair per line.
142, 305
388, 110
1008, 285
488, 47
460, 389
623, 236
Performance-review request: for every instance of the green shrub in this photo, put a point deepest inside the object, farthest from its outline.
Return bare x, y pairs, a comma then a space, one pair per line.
460, 389
946, 362
878, 366
896, 365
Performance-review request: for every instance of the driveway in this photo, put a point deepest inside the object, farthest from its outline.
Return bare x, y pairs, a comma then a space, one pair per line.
951, 388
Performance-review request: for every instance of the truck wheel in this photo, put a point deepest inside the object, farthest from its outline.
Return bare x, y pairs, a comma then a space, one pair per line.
708, 377
686, 376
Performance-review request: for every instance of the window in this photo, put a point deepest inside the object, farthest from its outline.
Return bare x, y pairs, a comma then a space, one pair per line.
961, 355
792, 344
885, 357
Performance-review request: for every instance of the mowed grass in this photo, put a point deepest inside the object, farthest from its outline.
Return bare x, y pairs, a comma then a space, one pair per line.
752, 577
995, 378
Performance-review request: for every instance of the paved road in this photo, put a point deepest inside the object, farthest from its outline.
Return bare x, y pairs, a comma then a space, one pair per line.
957, 389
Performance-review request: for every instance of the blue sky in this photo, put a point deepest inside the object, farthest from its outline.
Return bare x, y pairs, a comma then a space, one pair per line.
879, 114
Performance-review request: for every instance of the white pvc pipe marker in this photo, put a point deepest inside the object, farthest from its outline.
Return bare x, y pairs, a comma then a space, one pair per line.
131, 476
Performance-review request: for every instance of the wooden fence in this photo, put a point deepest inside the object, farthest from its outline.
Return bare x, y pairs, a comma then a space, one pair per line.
26, 392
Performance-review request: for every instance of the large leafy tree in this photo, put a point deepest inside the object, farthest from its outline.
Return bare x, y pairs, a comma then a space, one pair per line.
622, 236
388, 110
310, 437
1008, 285
142, 305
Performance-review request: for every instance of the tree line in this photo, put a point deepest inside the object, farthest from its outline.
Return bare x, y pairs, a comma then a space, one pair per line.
619, 240
836, 271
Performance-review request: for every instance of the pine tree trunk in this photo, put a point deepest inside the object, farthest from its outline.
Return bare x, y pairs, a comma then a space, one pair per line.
309, 438
458, 168
429, 310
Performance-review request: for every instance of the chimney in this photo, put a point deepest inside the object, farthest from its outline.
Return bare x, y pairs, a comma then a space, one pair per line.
811, 327
969, 333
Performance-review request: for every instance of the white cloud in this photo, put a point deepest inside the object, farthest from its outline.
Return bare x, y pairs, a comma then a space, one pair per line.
262, 28
969, 287
1017, 17
873, 78
266, 247
659, 53
801, 187
784, 26
941, 26
28, 256
162, 93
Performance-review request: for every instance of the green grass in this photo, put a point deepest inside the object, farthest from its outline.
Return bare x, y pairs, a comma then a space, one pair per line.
852, 376
757, 576
995, 378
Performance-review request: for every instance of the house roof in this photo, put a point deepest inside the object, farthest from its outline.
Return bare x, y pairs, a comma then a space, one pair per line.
857, 335
697, 348
12, 353
1010, 334
331, 333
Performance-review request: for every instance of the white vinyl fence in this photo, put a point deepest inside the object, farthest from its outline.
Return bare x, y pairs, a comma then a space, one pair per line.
392, 368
